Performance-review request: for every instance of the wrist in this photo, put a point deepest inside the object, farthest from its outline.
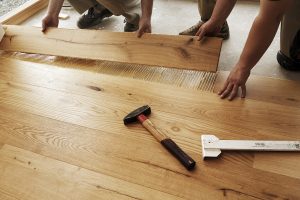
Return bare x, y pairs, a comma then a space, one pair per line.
216, 22
52, 15
146, 18
243, 67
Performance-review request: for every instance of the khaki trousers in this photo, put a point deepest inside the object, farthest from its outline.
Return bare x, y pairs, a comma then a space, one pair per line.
206, 8
290, 32
130, 9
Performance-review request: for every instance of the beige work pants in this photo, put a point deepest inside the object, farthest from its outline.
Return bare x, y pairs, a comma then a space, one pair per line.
206, 8
290, 32
130, 9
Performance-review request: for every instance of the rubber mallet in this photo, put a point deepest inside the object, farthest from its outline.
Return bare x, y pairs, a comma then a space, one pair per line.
140, 115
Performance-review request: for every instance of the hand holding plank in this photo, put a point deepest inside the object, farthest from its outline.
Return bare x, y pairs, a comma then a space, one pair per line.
49, 21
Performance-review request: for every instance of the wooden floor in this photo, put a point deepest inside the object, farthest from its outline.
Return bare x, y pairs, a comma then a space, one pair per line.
62, 137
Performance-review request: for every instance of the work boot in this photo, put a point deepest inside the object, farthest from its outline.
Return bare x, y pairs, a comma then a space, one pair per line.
92, 18
131, 27
288, 63
224, 32
192, 30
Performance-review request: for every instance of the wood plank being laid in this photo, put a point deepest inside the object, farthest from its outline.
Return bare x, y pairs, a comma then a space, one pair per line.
267, 89
183, 52
23, 12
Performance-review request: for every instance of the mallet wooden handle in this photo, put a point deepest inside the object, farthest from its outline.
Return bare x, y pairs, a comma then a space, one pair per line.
168, 143
153, 130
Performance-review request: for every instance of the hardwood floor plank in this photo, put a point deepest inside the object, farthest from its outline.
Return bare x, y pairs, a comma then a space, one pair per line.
43, 176
158, 50
283, 92
280, 163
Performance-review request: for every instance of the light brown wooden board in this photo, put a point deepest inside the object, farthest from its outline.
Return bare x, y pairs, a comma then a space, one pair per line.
23, 12
159, 50
75, 117
45, 177
280, 163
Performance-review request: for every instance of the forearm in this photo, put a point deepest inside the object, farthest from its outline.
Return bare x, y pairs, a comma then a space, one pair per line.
262, 32
54, 7
221, 11
259, 39
147, 9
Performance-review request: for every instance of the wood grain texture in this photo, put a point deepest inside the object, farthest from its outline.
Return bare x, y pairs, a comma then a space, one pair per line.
45, 177
75, 117
280, 163
23, 12
159, 50
190, 104
94, 150
267, 89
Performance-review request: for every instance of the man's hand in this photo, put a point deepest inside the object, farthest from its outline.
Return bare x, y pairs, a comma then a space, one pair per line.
49, 21
144, 26
236, 79
145, 21
209, 28
260, 37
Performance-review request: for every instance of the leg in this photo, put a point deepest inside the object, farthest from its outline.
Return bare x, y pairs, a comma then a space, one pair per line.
132, 15
96, 12
289, 54
206, 8
130, 9
82, 5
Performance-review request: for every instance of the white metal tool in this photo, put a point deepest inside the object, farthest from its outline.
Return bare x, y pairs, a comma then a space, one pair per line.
212, 146
2, 32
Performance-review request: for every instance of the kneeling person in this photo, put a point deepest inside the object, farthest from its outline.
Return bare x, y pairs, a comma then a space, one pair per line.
97, 11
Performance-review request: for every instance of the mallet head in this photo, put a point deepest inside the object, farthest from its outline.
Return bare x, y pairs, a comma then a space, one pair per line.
133, 116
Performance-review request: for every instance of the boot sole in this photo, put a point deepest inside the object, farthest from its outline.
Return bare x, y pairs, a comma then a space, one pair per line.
287, 63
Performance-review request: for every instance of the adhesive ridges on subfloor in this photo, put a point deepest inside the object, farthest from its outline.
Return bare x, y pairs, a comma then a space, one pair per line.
191, 79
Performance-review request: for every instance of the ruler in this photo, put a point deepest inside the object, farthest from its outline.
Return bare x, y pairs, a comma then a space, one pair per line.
213, 146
